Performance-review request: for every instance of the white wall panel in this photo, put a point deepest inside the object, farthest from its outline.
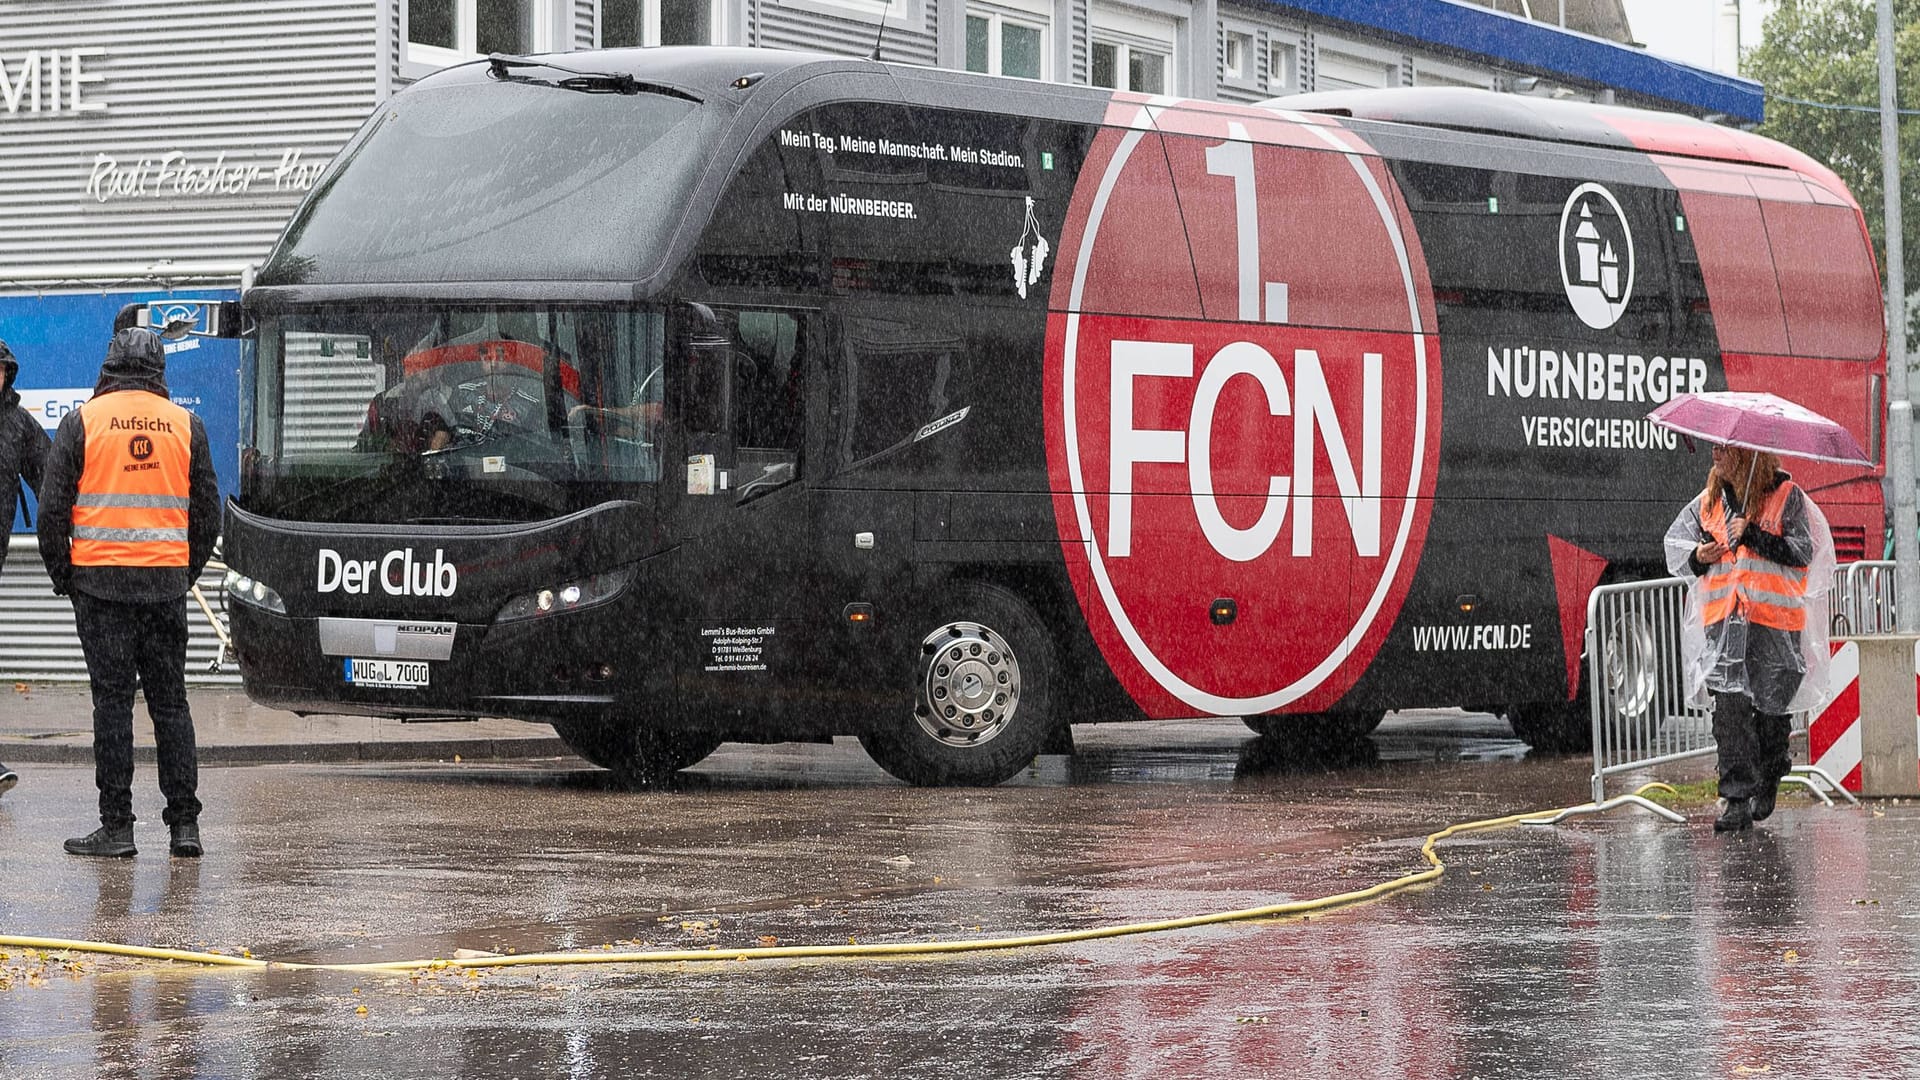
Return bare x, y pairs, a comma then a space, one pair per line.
208, 121
40, 645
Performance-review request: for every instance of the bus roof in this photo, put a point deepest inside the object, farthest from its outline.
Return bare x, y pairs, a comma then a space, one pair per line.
1576, 123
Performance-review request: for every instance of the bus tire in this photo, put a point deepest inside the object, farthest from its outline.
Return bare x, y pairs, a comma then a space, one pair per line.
1328, 729
981, 696
637, 756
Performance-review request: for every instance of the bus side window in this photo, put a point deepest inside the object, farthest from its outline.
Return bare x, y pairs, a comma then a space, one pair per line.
768, 400
896, 379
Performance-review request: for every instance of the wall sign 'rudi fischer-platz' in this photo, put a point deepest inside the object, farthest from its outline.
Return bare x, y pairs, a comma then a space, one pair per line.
68, 82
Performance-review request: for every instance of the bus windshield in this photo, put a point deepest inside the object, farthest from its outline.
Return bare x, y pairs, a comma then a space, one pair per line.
451, 413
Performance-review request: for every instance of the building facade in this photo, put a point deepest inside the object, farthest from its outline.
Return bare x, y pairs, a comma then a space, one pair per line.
152, 149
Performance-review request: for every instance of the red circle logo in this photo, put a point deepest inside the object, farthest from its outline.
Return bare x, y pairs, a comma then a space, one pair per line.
1258, 422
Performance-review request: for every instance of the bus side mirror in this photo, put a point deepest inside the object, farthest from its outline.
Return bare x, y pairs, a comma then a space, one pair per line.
177, 319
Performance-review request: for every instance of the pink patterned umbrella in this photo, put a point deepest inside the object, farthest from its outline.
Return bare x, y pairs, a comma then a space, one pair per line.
1760, 422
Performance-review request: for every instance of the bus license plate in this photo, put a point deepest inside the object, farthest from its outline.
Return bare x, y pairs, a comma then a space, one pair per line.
392, 674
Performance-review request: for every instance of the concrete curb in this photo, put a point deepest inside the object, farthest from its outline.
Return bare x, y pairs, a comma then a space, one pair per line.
16, 750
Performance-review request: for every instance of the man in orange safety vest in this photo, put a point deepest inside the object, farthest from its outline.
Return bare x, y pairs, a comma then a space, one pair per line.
129, 510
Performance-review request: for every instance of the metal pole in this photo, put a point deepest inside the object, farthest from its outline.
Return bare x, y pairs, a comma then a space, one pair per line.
1906, 544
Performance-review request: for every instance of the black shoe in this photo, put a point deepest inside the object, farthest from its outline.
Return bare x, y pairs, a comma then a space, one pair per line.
1737, 817
8, 778
186, 840
1763, 802
105, 842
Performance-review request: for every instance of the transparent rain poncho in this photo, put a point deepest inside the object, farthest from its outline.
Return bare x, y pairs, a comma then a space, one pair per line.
1783, 671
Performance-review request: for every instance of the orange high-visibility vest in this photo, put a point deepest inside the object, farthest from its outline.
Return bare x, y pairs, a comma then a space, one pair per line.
1766, 592
131, 509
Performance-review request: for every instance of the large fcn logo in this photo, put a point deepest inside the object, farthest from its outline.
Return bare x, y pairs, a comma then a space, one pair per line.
1259, 425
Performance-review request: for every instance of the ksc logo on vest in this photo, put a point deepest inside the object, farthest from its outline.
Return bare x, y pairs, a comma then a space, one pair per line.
1259, 424
1596, 256
140, 447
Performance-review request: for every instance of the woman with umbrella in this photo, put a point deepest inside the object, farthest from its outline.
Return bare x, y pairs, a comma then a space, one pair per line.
1760, 558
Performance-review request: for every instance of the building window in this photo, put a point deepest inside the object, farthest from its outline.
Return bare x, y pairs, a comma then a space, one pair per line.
1236, 50
1120, 66
1283, 68
448, 31
629, 23
1003, 44
1342, 71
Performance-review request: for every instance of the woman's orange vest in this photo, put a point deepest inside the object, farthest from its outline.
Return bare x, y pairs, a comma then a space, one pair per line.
131, 509
1766, 592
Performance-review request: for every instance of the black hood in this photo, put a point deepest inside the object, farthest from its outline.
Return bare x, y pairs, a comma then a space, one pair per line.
9, 367
136, 360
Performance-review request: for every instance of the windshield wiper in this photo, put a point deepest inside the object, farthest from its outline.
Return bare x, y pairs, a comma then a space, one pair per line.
586, 82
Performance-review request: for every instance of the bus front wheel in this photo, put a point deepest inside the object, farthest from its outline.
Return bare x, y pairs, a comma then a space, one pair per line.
637, 756
982, 690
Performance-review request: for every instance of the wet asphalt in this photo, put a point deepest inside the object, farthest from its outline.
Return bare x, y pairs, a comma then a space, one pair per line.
1618, 947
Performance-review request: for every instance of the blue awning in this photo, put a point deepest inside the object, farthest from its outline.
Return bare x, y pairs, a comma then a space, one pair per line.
1543, 49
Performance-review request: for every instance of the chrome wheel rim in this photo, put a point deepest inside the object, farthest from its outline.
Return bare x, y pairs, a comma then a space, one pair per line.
969, 685
1632, 668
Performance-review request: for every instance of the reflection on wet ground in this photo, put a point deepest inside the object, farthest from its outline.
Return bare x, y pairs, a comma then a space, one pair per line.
1615, 948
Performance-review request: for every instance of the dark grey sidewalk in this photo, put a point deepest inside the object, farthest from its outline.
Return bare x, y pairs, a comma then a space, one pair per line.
42, 722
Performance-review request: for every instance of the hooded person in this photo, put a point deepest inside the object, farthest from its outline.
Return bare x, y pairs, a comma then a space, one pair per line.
129, 511
23, 454
1759, 558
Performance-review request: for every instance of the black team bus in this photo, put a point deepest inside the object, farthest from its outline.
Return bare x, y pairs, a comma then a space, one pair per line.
675, 396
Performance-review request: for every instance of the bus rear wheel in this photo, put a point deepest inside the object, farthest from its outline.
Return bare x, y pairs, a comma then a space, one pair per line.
981, 698
1560, 727
637, 756
1329, 729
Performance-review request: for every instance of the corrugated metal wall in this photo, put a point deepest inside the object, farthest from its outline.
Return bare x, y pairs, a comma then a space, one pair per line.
783, 26
39, 644
235, 88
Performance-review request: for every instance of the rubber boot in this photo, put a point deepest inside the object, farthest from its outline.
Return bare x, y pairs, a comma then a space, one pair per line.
1763, 802
1737, 817
186, 840
105, 842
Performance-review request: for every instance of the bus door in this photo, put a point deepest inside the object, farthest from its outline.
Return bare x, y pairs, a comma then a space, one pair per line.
746, 559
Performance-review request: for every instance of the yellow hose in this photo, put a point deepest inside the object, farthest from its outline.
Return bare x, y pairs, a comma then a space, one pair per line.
817, 952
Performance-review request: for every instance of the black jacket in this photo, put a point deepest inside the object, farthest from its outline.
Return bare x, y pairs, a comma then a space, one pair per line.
23, 446
61, 485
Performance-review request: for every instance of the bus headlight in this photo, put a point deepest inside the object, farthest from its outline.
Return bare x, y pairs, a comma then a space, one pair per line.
251, 591
566, 596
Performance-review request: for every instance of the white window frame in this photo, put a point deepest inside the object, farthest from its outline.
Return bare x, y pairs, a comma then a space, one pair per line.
650, 22
1036, 17
466, 33
1236, 69
1357, 55
1131, 30
1286, 80
1123, 51
900, 14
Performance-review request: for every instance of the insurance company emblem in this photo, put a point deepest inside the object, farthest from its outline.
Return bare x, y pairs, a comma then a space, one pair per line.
1259, 425
1596, 256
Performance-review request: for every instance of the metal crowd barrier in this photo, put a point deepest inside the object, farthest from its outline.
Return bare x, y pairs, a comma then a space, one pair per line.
1862, 601
1637, 686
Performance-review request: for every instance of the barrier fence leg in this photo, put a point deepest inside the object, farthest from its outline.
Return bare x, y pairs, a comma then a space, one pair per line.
1807, 774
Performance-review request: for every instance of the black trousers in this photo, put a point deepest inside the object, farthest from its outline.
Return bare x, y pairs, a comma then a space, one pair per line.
144, 645
1752, 745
